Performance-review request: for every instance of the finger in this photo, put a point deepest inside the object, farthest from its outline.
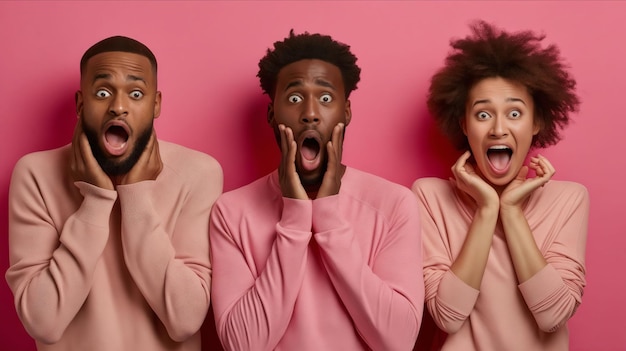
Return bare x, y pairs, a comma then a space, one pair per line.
292, 148
549, 168
86, 156
338, 141
76, 145
332, 159
457, 167
283, 139
155, 158
284, 149
522, 174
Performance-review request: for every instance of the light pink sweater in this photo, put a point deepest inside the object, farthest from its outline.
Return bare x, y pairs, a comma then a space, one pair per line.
95, 269
337, 273
505, 315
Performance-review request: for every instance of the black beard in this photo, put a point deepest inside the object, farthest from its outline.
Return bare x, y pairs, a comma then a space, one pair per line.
110, 166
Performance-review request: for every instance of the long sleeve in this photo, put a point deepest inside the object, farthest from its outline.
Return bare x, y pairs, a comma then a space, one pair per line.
171, 266
51, 270
449, 300
555, 292
382, 293
504, 314
253, 306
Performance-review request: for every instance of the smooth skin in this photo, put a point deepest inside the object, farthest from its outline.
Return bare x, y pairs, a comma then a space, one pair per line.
499, 112
116, 86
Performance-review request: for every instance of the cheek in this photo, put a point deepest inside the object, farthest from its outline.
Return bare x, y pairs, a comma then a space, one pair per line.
474, 138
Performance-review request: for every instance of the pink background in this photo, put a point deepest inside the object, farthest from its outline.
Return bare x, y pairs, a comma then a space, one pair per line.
208, 54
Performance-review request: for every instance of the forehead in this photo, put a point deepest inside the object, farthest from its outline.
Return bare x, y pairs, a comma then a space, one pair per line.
498, 89
119, 62
310, 70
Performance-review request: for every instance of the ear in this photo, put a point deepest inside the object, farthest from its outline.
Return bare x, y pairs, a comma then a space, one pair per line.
270, 114
157, 105
78, 98
348, 112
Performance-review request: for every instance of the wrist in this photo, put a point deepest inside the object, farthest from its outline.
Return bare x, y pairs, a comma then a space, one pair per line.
487, 211
510, 210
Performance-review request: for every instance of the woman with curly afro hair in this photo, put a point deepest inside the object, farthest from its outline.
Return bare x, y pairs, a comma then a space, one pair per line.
504, 245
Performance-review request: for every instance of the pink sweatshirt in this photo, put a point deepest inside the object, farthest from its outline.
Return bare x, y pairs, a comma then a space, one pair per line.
95, 269
337, 273
505, 315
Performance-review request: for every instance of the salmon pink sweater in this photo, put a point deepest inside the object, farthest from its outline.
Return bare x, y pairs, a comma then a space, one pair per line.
125, 269
338, 273
504, 314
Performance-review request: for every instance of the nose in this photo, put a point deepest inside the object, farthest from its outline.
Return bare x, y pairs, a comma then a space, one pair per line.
498, 127
310, 112
119, 105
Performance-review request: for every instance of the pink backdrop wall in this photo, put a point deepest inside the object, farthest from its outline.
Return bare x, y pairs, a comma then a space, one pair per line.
208, 54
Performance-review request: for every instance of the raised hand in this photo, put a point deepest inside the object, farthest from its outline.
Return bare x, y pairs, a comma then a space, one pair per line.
83, 165
290, 184
521, 187
469, 181
147, 167
334, 170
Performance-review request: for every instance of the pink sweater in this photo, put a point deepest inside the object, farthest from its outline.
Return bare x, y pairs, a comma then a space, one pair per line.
337, 273
505, 315
95, 269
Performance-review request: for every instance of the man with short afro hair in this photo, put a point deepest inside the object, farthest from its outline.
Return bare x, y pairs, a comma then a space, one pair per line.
316, 255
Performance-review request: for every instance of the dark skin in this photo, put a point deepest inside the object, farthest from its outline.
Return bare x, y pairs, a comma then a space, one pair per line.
310, 103
117, 88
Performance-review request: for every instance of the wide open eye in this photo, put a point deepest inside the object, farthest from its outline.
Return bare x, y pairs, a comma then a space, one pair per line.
136, 94
326, 98
294, 98
482, 115
102, 93
515, 114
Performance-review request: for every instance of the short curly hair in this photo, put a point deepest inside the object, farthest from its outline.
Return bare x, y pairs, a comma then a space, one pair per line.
308, 46
118, 43
491, 52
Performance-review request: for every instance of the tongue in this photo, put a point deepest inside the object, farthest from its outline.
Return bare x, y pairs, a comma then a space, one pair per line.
116, 137
499, 160
310, 149
308, 152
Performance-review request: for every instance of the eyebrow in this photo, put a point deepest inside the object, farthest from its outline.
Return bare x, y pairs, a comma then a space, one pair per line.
320, 82
485, 101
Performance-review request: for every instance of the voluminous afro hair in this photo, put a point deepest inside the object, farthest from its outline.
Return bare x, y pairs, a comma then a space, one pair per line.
118, 43
490, 52
308, 46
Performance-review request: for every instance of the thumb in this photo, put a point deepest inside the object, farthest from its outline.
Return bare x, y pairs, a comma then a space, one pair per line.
523, 172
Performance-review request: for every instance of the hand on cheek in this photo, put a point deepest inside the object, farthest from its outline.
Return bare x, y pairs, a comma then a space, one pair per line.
148, 166
521, 187
466, 179
83, 165
332, 178
289, 180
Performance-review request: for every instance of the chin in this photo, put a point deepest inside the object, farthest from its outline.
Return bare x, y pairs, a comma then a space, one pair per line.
311, 178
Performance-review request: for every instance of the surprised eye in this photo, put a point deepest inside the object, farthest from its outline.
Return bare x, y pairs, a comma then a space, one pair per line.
102, 93
515, 114
482, 115
326, 98
294, 99
136, 94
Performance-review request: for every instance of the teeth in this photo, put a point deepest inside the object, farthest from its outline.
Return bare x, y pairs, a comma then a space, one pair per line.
499, 147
